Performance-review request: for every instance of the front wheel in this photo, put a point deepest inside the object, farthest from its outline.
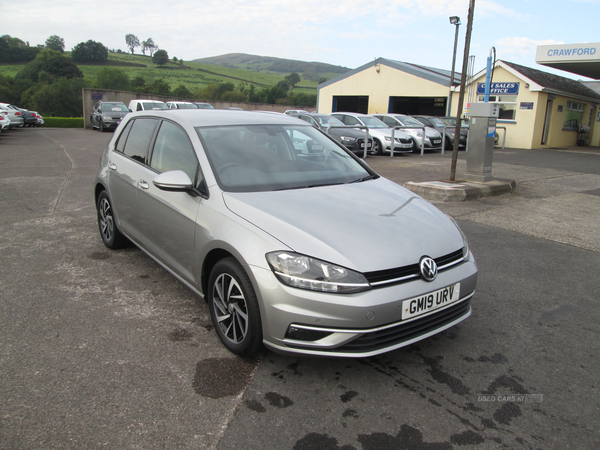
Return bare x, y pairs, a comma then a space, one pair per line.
101, 127
234, 308
111, 236
377, 147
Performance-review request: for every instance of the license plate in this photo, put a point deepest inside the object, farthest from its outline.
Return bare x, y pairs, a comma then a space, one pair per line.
430, 302
437, 141
363, 145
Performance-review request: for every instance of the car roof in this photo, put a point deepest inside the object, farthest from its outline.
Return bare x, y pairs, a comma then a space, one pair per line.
217, 117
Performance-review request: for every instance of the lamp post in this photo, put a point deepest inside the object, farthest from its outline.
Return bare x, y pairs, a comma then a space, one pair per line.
454, 20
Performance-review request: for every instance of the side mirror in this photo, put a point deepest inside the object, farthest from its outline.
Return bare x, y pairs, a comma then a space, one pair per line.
173, 180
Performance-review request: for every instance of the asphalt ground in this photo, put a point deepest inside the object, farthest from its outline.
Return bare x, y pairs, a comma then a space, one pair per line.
104, 349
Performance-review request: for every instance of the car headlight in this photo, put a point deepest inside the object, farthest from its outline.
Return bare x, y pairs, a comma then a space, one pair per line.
304, 272
348, 139
106, 118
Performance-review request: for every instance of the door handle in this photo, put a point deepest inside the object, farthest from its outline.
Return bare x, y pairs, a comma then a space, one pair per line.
112, 166
142, 184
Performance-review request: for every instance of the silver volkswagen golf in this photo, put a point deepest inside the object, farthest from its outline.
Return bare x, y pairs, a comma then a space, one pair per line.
293, 241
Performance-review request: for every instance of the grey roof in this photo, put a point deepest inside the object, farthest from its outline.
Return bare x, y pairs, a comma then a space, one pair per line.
439, 76
555, 82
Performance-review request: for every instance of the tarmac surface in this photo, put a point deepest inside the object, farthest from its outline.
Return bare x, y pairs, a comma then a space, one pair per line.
103, 349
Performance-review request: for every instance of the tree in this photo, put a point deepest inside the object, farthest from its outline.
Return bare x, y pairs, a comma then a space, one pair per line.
293, 78
138, 84
89, 51
112, 78
160, 58
15, 50
55, 42
182, 92
132, 42
51, 62
149, 45
59, 99
160, 87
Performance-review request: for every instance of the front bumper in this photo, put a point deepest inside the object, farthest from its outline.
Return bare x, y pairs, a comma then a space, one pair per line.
357, 325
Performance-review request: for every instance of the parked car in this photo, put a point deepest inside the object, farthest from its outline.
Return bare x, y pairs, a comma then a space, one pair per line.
146, 105
295, 112
204, 105
30, 118
442, 126
292, 240
108, 115
351, 138
4, 121
181, 105
465, 124
433, 138
14, 115
382, 135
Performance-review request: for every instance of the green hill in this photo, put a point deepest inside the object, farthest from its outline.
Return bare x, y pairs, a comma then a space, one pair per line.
307, 70
197, 74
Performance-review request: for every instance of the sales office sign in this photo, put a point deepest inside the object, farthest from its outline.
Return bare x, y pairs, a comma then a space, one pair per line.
499, 88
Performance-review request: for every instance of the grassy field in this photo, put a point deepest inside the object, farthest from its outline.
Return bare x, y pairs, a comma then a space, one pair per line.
193, 75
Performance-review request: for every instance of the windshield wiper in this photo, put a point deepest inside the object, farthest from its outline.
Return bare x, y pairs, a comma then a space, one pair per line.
368, 177
306, 186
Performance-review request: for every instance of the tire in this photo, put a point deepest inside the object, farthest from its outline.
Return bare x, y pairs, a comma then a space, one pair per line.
377, 148
234, 308
101, 127
111, 236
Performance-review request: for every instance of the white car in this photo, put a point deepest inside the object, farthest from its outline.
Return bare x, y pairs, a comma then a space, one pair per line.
382, 135
145, 105
181, 105
15, 116
4, 121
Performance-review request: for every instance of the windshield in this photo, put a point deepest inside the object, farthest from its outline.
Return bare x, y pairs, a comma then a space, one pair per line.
256, 158
372, 122
154, 105
114, 107
326, 121
409, 121
439, 122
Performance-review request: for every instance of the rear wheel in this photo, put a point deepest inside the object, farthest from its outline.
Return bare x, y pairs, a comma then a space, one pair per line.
234, 308
111, 236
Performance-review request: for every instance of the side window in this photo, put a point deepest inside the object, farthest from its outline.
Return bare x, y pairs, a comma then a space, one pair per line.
139, 107
123, 137
173, 151
139, 138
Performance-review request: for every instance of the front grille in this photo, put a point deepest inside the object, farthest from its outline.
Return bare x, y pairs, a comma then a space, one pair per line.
399, 275
403, 332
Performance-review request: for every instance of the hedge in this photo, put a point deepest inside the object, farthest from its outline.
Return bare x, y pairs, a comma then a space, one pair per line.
63, 122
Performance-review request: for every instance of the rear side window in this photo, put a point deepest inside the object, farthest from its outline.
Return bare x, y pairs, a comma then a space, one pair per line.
138, 141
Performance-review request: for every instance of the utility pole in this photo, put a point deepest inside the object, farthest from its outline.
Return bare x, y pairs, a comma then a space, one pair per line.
461, 97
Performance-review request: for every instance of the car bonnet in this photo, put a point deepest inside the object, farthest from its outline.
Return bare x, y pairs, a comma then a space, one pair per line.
367, 226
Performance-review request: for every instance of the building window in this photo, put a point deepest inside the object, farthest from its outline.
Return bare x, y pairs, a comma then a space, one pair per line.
573, 116
507, 105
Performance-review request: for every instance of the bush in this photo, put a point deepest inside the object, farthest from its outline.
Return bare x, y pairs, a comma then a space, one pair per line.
63, 122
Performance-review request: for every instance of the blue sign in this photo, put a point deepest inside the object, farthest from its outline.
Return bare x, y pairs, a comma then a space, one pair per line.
526, 105
499, 88
96, 96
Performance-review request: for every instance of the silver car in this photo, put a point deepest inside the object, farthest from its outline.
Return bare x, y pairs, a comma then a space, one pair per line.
293, 241
14, 115
382, 135
433, 138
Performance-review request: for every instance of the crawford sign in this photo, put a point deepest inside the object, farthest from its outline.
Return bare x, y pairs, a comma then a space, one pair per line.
499, 88
569, 52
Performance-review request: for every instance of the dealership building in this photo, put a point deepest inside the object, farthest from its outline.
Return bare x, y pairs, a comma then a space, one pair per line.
536, 109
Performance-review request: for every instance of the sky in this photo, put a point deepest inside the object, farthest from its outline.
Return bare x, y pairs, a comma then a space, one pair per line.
347, 33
